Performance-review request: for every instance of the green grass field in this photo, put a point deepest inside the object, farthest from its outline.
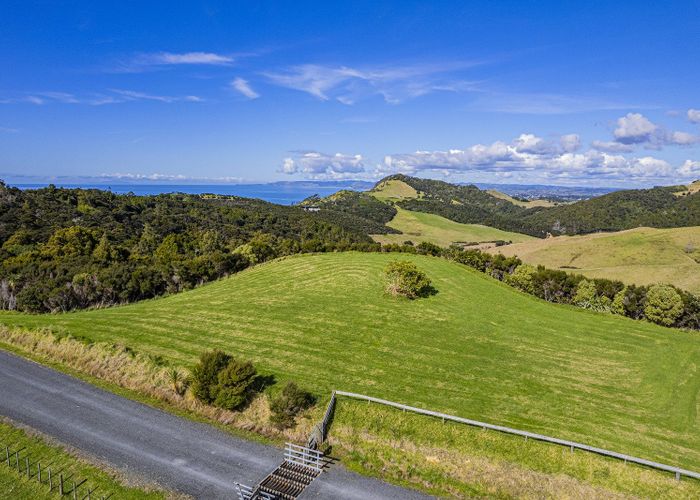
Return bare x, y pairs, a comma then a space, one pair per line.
640, 256
477, 349
394, 190
14, 484
420, 226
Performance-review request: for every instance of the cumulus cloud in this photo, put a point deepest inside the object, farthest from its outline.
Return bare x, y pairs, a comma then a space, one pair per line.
690, 169
634, 128
243, 87
317, 165
529, 153
393, 83
694, 115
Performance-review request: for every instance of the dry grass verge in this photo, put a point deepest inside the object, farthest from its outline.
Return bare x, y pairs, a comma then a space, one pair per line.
120, 365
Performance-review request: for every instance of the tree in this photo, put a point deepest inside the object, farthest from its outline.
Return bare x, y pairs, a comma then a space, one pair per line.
234, 385
205, 375
587, 297
522, 278
404, 278
288, 404
663, 305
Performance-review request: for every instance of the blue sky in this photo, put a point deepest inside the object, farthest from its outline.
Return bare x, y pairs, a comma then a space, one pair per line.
584, 93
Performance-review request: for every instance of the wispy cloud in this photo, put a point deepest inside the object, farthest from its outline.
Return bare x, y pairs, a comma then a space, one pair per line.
394, 83
243, 87
543, 104
154, 60
114, 96
8, 130
131, 95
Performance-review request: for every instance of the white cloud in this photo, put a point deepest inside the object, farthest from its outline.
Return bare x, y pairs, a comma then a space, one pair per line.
8, 130
683, 138
149, 61
570, 142
634, 128
612, 147
694, 115
244, 88
132, 95
393, 83
690, 169
529, 154
317, 165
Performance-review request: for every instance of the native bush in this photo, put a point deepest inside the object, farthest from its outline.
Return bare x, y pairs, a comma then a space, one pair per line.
288, 404
235, 384
663, 305
205, 375
405, 279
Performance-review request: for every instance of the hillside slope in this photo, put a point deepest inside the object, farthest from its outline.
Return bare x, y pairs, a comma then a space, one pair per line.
640, 256
477, 349
420, 226
658, 207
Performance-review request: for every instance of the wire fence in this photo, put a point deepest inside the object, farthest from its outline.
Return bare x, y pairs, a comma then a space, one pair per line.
527, 435
56, 479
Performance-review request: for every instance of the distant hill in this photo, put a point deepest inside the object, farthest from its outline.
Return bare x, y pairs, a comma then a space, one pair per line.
674, 206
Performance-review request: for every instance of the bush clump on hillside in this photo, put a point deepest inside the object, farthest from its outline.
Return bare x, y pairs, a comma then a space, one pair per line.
405, 279
290, 402
222, 380
663, 305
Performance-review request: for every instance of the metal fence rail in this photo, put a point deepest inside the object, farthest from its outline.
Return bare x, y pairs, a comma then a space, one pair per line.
531, 435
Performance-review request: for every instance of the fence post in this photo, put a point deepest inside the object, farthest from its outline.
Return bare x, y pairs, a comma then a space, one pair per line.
50, 481
60, 484
678, 476
26, 462
38, 472
17, 460
75, 493
7, 455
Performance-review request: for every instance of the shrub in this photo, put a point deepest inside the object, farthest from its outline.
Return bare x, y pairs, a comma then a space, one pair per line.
205, 375
522, 278
404, 278
588, 298
427, 248
234, 385
663, 305
288, 404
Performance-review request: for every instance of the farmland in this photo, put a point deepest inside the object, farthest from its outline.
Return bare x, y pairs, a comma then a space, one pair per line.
477, 348
638, 256
420, 226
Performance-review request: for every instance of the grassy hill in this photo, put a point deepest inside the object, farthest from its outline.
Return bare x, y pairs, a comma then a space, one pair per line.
672, 206
420, 226
477, 349
640, 256
394, 190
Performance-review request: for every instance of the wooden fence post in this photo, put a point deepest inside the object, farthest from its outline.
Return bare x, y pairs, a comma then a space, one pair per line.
26, 462
50, 481
75, 493
38, 472
60, 484
7, 455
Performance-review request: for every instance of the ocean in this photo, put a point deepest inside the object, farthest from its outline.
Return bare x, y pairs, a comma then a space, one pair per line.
282, 193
